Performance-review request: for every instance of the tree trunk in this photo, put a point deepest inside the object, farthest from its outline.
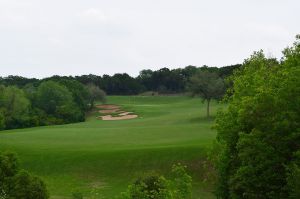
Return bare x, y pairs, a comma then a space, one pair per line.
207, 110
92, 104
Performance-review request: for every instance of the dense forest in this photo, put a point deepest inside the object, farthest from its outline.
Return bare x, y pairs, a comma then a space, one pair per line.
27, 102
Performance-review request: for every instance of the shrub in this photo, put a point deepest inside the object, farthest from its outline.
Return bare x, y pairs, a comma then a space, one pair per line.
77, 195
16, 184
158, 187
26, 186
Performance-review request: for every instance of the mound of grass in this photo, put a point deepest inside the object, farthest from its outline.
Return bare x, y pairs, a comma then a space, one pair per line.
105, 156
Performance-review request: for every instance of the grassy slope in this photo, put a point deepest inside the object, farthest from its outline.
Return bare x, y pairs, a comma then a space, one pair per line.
107, 155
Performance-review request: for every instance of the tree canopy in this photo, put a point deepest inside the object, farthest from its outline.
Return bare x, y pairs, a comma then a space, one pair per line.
95, 93
16, 183
260, 129
208, 85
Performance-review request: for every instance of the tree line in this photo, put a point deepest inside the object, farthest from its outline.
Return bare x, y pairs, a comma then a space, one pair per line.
46, 102
162, 81
28, 102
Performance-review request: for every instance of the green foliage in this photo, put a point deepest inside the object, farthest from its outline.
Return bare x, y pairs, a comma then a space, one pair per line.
293, 181
260, 129
95, 94
26, 186
77, 195
207, 85
16, 184
181, 183
9, 166
14, 108
162, 80
51, 95
158, 187
79, 92
57, 101
2, 120
147, 188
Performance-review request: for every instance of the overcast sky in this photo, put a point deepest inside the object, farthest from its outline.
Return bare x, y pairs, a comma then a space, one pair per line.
40, 38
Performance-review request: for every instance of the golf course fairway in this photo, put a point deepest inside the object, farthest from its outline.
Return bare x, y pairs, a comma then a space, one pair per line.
100, 158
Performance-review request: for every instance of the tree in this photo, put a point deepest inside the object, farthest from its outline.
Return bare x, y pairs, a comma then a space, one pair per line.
207, 85
26, 186
57, 102
95, 93
259, 130
51, 95
181, 183
79, 92
14, 108
16, 183
2, 120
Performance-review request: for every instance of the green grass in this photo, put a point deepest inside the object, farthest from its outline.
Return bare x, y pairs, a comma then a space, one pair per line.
108, 155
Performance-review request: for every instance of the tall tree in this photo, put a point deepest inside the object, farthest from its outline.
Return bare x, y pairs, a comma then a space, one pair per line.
207, 85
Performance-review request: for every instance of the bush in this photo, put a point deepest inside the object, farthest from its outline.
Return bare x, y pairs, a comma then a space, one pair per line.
158, 187
16, 184
77, 195
26, 186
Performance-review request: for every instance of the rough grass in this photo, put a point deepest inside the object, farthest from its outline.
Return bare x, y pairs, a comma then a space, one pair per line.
105, 156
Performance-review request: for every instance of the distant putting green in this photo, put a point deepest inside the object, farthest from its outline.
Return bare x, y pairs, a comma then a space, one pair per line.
105, 156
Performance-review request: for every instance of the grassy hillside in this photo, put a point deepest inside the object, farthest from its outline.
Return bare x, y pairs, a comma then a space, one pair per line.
107, 155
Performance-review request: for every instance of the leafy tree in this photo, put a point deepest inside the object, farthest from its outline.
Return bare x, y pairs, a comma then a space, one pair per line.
207, 85
26, 186
9, 166
79, 92
260, 130
293, 182
2, 120
181, 182
95, 93
51, 95
16, 184
17, 81
120, 84
57, 101
14, 108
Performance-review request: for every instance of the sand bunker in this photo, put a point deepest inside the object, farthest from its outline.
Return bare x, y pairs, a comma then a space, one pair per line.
109, 111
108, 106
125, 113
111, 108
125, 117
